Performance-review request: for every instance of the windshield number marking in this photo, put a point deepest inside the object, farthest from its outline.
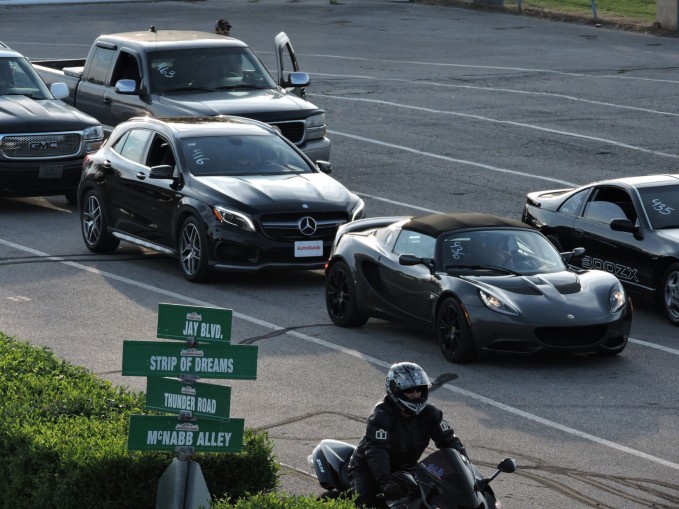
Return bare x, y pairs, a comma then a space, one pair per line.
661, 208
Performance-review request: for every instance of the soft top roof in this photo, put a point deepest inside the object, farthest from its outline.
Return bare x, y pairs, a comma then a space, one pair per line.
435, 224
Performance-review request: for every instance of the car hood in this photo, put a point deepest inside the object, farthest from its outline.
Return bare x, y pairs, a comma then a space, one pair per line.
555, 297
257, 194
26, 115
268, 105
555, 284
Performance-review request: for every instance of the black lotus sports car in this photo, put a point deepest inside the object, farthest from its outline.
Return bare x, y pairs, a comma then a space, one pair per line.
219, 193
628, 227
482, 283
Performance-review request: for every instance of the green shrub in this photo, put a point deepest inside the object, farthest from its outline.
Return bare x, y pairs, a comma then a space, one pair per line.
284, 501
63, 441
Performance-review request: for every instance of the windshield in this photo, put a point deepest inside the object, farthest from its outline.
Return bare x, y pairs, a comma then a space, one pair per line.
505, 250
17, 77
662, 205
207, 70
242, 155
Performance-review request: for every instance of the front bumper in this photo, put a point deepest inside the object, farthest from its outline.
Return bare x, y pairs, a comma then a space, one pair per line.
494, 332
39, 178
239, 251
316, 150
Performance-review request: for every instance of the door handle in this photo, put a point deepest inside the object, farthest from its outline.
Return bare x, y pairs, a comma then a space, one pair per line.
107, 101
579, 232
141, 175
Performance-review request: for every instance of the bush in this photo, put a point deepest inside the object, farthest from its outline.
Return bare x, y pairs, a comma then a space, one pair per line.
63, 441
283, 501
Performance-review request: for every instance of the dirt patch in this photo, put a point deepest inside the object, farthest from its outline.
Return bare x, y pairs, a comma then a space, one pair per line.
614, 22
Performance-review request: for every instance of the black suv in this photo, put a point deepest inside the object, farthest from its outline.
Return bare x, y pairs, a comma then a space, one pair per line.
222, 193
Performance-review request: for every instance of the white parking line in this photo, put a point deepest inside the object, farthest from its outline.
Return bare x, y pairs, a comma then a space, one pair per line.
452, 159
356, 354
504, 91
616, 76
506, 122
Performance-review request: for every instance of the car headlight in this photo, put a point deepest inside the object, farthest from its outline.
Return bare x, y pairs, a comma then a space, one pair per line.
357, 212
496, 304
616, 298
233, 218
95, 132
94, 138
316, 127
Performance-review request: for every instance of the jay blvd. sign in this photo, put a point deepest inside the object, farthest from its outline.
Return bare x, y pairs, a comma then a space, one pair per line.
197, 323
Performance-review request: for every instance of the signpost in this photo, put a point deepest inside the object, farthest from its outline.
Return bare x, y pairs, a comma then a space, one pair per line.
203, 422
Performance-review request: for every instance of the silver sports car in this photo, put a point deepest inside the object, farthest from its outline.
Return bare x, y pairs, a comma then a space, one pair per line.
481, 283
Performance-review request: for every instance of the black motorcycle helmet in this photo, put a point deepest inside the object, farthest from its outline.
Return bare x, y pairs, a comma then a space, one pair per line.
403, 377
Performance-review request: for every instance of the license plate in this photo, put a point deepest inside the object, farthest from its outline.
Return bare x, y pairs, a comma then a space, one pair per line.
50, 171
308, 248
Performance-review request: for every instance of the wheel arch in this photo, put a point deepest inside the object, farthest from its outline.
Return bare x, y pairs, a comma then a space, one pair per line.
660, 269
186, 210
439, 302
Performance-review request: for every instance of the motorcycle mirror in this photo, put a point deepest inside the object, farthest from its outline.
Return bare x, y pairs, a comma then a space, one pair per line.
507, 465
405, 478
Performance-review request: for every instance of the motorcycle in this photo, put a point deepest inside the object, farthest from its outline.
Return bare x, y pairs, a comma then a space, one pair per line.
442, 480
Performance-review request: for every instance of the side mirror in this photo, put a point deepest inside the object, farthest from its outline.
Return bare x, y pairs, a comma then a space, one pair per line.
59, 90
324, 166
295, 79
625, 225
410, 260
576, 253
622, 225
507, 465
126, 87
164, 171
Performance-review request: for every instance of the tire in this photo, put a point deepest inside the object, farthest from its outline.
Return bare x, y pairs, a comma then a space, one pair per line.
94, 225
555, 242
669, 293
453, 333
72, 197
609, 352
192, 250
340, 297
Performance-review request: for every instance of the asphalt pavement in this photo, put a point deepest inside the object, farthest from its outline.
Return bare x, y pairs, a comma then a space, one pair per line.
36, 2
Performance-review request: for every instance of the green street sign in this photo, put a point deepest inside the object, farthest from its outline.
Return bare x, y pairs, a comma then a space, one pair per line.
176, 321
166, 433
202, 400
160, 359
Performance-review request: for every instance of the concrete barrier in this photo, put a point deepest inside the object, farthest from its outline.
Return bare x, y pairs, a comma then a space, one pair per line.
667, 13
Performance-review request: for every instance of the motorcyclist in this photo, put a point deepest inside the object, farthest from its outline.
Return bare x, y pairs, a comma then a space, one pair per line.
398, 431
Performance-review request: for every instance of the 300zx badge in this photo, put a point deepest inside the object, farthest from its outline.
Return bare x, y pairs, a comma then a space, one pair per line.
621, 271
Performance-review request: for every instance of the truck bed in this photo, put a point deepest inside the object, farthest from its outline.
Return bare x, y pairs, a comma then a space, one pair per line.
60, 64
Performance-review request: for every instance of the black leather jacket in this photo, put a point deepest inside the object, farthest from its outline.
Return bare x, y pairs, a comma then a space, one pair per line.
393, 440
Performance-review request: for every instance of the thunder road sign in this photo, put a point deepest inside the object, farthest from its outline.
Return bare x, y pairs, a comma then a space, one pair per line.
202, 400
166, 433
156, 358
